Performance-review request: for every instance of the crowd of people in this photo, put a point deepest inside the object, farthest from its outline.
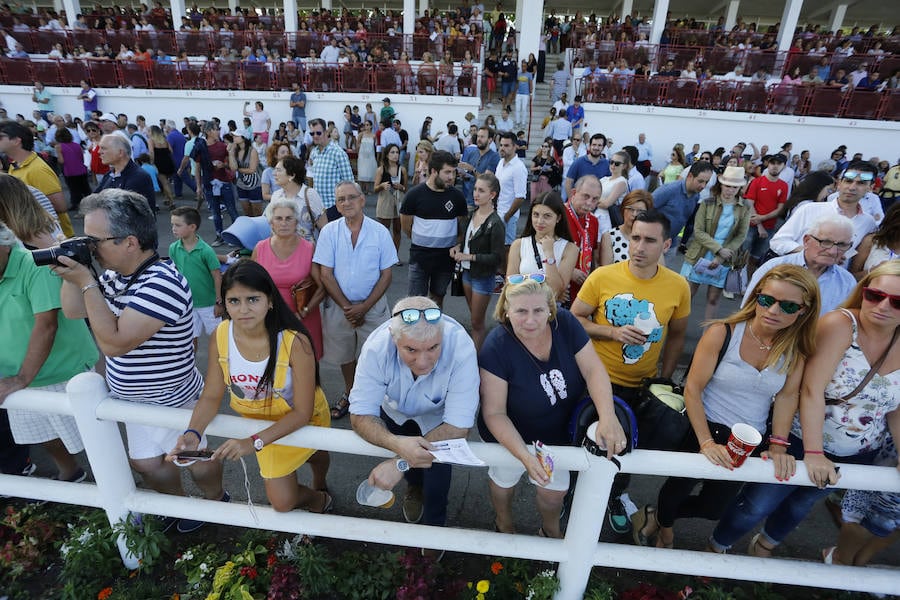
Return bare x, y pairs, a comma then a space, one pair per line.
589, 305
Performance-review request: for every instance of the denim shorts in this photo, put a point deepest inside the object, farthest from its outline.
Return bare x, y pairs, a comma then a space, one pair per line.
479, 285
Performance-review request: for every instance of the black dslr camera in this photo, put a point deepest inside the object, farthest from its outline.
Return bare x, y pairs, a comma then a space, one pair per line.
77, 248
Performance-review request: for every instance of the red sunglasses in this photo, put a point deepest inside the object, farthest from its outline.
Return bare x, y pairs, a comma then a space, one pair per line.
877, 297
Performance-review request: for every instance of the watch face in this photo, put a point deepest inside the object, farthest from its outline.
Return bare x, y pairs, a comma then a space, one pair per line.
257, 443
402, 465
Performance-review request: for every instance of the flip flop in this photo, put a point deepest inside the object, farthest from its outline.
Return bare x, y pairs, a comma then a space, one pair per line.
341, 408
828, 555
639, 520
328, 506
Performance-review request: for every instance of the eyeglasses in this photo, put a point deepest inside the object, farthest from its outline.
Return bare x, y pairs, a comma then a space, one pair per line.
863, 176
828, 244
97, 241
519, 278
316, 133
787, 307
410, 316
877, 297
616, 163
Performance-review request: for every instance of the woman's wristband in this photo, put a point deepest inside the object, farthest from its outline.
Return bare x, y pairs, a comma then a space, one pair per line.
819, 452
704, 443
195, 432
89, 286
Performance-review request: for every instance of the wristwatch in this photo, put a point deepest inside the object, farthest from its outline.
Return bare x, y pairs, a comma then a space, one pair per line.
257, 442
402, 465
550, 261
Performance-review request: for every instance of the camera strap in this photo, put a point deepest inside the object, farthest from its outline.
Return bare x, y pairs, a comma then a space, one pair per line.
137, 273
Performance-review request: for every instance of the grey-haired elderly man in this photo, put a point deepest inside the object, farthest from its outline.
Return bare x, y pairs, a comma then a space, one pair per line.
416, 383
824, 245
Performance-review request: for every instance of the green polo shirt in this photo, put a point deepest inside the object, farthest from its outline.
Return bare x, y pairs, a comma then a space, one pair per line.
197, 266
27, 290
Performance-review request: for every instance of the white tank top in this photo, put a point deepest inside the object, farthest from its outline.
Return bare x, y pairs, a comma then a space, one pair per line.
245, 374
527, 266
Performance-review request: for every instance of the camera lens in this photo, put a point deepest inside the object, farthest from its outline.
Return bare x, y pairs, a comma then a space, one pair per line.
46, 256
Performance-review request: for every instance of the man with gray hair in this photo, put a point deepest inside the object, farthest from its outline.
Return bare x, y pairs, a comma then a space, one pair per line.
355, 255
416, 383
824, 244
141, 314
124, 173
42, 350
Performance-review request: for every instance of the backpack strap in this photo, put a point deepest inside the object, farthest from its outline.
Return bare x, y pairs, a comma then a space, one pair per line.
222, 347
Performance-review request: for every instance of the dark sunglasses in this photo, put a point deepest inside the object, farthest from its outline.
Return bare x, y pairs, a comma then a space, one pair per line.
864, 176
787, 307
616, 163
411, 316
877, 297
316, 133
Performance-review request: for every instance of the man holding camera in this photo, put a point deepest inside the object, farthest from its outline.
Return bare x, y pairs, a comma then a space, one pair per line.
140, 311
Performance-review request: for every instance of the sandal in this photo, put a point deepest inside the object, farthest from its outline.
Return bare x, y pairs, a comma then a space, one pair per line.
341, 408
756, 547
828, 555
327, 506
639, 521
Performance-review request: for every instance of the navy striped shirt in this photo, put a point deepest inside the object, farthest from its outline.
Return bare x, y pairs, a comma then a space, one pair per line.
161, 370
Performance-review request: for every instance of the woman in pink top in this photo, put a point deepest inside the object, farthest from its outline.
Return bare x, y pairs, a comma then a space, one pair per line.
288, 259
71, 159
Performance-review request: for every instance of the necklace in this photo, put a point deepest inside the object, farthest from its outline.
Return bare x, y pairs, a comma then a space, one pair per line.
762, 344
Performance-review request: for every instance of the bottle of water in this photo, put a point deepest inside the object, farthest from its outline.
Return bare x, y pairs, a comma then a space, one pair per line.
370, 495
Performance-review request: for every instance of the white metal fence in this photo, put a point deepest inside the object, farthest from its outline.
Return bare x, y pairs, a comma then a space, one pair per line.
115, 492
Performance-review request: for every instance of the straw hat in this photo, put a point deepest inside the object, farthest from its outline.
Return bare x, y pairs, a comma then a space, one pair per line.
733, 177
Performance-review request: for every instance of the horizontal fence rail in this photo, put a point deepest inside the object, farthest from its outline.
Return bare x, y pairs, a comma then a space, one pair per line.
98, 417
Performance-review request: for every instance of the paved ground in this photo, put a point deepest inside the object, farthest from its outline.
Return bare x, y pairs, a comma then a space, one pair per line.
469, 503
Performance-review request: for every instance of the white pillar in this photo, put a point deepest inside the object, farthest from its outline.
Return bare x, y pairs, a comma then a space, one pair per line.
528, 26
423, 6
789, 19
177, 8
731, 14
73, 9
836, 20
627, 7
326, 4
660, 10
290, 16
409, 17
232, 6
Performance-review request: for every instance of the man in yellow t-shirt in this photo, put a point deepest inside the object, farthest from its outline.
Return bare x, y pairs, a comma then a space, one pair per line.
635, 311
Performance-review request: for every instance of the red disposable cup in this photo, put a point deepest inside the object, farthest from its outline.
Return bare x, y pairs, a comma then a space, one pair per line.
742, 442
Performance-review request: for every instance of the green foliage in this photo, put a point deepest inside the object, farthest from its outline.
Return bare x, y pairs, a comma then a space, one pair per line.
542, 586
25, 537
759, 591
90, 557
713, 592
600, 590
359, 577
197, 564
144, 538
313, 566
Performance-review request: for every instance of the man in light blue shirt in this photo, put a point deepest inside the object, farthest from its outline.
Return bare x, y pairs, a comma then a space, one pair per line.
476, 159
824, 245
678, 200
355, 254
416, 383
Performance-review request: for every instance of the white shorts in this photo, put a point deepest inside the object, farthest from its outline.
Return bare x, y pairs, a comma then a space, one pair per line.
205, 320
343, 343
36, 427
147, 441
507, 477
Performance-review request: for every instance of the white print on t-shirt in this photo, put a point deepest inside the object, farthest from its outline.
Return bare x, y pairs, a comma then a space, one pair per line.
625, 309
551, 381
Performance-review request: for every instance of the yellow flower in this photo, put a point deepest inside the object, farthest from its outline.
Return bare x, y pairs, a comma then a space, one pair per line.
479, 597
483, 586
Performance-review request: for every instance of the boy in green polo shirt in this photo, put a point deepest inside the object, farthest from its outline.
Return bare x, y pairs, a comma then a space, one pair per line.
197, 261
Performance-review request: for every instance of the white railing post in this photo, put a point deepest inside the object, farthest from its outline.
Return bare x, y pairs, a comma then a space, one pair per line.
583, 530
106, 452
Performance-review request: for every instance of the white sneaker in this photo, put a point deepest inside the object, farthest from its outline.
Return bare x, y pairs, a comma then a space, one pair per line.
728, 295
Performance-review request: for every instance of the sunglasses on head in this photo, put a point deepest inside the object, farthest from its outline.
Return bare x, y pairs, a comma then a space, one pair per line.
411, 316
864, 176
877, 297
787, 306
519, 278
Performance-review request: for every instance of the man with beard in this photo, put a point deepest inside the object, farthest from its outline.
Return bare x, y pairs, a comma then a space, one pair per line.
513, 176
433, 217
476, 160
592, 163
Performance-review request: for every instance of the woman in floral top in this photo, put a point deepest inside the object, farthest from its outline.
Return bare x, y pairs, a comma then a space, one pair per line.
836, 426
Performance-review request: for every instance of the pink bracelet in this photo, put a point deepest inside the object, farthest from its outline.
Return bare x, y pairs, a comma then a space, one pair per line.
814, 452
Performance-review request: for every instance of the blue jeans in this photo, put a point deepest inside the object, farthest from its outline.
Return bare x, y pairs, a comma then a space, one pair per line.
179, 181
782, 506
434, 481
215, 202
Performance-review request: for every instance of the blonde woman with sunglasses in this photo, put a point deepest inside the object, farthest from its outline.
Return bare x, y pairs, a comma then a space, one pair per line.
535, 368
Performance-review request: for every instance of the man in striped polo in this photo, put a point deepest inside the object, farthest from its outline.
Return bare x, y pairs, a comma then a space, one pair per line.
140, 311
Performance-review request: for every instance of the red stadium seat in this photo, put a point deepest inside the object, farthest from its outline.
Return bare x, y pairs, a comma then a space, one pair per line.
104, 73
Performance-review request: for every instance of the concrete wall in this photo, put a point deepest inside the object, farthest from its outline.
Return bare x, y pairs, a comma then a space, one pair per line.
665, 127
177, 104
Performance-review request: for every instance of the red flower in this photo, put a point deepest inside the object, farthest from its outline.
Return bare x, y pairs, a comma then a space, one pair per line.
271, 560
104, 593
496, 567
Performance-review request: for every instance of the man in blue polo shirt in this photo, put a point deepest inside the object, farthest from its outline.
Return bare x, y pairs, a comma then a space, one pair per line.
592, 163
124, 174
476, 159
678, 200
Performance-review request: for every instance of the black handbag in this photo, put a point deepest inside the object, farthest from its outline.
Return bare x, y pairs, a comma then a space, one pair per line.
585, 413
662, 421
456, 285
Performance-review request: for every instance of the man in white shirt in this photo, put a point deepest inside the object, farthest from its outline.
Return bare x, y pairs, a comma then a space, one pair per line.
856, 181
645, 155
573, 151
330, 53
513, 176
505, 123
450, 141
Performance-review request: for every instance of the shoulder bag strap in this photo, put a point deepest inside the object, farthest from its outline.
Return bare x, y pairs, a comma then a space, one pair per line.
877, 365
537, 254
312, 217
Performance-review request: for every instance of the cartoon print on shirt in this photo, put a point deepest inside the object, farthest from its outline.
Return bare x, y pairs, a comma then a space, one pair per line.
625, 309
